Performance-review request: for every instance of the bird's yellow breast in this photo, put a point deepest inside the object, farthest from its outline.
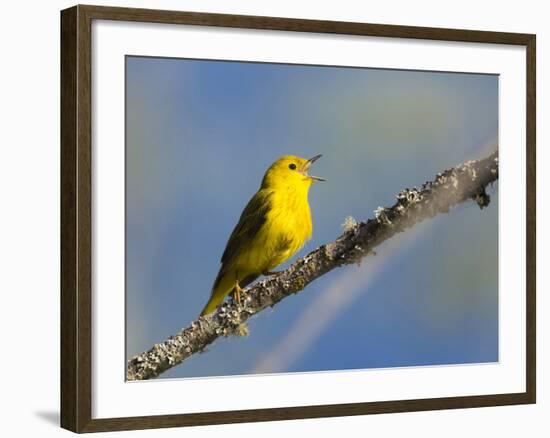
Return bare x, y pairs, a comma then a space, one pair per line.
287, 227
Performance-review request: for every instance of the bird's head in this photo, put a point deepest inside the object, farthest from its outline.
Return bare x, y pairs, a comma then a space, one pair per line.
290, 171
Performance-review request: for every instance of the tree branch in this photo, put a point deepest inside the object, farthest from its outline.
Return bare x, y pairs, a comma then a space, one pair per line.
449, 188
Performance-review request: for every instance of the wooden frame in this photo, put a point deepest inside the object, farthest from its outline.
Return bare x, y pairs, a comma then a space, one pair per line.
76, 238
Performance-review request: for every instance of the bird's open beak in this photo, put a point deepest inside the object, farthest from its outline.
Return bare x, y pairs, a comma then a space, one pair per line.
308, 164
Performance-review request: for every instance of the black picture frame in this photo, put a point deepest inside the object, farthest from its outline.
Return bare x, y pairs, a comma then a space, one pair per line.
76, 217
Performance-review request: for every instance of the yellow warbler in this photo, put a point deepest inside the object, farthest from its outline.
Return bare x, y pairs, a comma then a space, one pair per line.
274, 225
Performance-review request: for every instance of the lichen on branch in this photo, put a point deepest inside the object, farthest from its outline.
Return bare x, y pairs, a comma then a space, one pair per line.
359, 239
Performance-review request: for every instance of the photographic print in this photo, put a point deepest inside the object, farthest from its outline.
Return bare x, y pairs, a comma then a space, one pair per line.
267, 218
236, 170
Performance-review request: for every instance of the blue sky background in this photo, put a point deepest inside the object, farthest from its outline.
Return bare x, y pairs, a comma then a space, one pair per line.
199, 137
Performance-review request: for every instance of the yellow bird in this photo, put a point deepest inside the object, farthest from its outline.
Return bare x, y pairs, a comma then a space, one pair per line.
275, 224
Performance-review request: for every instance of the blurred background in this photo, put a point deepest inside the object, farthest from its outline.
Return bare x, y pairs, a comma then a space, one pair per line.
200, 135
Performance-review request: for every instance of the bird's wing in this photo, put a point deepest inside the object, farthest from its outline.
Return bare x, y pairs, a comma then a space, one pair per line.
252, 218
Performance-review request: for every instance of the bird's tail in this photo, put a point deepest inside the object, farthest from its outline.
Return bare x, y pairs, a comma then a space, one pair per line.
222, 286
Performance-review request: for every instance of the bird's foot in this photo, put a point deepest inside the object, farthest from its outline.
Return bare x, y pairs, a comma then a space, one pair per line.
236, 295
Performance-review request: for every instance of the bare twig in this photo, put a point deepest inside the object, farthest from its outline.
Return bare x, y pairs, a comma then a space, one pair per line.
449, 188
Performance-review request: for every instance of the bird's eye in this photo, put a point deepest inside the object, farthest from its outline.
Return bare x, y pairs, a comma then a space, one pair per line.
292, 166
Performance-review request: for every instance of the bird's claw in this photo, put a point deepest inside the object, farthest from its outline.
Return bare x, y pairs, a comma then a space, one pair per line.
237, 294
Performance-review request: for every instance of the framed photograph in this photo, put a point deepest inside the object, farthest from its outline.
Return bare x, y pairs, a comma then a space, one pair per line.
269, 218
